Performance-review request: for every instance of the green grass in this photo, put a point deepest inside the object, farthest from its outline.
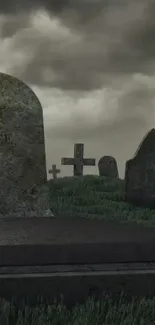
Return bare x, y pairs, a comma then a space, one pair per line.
106, 312
95, 197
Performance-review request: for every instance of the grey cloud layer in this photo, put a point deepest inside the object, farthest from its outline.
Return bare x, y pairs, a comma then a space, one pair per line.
91, 45
56, 6
109, 38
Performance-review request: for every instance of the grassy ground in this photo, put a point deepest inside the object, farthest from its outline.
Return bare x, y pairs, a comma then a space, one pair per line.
106, 312
95, 197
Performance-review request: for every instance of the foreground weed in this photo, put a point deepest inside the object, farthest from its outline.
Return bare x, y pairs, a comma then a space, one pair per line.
105, 312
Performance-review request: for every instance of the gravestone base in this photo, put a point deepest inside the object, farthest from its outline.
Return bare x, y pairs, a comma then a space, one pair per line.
138, 200
34, 205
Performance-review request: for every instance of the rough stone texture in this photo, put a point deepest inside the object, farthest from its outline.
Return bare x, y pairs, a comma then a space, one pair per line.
140, 174
107, 166
22, 151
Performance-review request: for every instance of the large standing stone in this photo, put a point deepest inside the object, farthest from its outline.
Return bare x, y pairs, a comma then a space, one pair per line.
140, 174
22, 151
107, 166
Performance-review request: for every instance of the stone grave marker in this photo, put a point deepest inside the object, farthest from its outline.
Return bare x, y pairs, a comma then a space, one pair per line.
23, 178
107, 166
54, 171
140, 174
78, 161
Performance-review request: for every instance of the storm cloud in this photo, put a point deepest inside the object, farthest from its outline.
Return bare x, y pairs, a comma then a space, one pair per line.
91, 42
91, 63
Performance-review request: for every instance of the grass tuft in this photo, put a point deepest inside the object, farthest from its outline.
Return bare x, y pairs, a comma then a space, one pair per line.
105, 312
95, 197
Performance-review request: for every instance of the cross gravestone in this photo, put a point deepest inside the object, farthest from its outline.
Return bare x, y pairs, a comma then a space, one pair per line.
78, 161
140, 174
54, 171
107, 166
23, 176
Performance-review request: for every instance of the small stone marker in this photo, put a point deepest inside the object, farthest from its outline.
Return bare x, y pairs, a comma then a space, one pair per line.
107, 166
23, 176
78, 161
54, 171
140, 174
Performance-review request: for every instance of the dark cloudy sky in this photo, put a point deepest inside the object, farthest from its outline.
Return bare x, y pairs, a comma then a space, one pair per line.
92, 65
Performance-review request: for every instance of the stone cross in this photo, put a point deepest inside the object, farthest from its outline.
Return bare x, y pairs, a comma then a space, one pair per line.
78, 161
22, 151
54, 171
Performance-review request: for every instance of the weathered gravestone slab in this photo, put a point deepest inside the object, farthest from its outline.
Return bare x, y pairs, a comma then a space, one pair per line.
140, 174
23, 176
107, 166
